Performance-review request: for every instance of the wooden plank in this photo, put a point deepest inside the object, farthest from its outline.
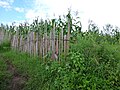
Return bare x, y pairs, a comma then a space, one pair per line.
46, 50
68, 35
65, 45
53, 42
56, 45
62, 41
37, 44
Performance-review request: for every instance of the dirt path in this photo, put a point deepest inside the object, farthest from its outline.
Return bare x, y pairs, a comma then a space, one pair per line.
18, 81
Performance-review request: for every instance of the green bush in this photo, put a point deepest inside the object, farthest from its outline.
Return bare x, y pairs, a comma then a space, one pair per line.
90, 65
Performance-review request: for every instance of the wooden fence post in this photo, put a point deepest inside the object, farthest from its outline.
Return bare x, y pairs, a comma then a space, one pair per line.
53, 41
68, 35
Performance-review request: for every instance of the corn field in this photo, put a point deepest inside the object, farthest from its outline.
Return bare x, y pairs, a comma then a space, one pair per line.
49, 38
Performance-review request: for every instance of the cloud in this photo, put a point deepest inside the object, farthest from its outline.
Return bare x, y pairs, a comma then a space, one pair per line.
43, 9
19, 9
7, 4
9, 1
100, 11
53, 6
4, 4
49, 8
31, 14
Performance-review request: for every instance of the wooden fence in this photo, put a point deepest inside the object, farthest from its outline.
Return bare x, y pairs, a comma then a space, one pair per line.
43, 45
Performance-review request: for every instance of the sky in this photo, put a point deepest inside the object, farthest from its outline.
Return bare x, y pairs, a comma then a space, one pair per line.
100, 11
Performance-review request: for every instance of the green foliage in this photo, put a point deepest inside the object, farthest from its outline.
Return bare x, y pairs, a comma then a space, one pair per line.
101, 62
4, 75
5, 46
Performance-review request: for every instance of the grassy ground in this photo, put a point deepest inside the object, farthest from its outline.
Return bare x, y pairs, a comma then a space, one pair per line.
30, 68
5, 76
22, 68
48, 76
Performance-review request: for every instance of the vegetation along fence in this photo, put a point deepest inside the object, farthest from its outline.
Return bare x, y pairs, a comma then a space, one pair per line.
49, 38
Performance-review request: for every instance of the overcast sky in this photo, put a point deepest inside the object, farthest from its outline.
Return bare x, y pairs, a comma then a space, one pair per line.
100, 11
